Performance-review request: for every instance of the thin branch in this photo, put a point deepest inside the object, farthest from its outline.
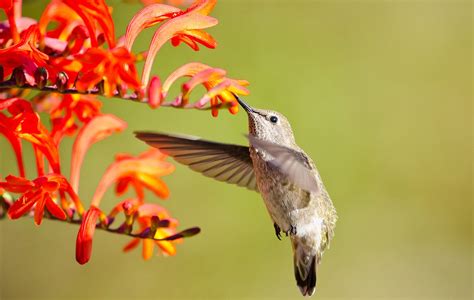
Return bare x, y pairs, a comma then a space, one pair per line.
123, 229
11, 84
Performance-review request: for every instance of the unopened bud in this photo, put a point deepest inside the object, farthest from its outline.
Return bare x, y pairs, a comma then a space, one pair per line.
61, 81
41, 77
18, 75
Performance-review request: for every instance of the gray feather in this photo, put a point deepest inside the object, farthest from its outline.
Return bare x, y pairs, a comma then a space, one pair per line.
224, 162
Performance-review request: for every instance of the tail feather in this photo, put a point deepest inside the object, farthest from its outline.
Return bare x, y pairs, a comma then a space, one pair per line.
305, 273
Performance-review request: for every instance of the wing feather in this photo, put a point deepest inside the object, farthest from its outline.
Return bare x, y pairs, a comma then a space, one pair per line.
224, 162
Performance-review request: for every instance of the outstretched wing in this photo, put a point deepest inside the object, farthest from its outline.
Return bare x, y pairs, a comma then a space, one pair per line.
224, 162
292, 163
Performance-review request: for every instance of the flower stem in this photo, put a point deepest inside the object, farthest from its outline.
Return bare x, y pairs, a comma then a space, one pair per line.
4, 205
9, 84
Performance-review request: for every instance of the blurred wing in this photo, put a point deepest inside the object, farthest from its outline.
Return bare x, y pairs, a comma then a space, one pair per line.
292, 163
224, 162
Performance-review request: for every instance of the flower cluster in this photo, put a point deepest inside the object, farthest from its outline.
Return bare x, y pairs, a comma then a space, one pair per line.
58, 66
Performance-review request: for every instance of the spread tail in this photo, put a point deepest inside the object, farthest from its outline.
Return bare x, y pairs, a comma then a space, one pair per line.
305, 271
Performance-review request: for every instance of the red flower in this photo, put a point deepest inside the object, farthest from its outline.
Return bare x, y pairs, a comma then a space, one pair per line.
85, 235
41, 192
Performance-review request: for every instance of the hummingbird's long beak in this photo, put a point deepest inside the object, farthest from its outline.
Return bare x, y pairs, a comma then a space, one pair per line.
244, 105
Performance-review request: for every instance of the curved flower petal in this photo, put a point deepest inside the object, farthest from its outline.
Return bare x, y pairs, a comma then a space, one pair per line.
187, 70
147, 17
95, 130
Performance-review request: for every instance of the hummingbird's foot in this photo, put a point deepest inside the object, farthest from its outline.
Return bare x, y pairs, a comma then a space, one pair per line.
277, 230
291, 231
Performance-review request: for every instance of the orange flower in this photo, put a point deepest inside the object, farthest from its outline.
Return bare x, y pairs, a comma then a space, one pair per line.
141, 172
115, 67
219, 87
40, 192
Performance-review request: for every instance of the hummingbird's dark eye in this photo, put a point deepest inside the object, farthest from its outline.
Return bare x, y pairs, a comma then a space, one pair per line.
273, 119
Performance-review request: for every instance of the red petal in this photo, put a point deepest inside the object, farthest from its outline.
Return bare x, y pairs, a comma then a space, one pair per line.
54, 209
21, 206
122, 186
16, 184
39, 210
131, 245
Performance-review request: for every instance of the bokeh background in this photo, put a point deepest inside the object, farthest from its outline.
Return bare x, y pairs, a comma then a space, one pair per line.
379, 93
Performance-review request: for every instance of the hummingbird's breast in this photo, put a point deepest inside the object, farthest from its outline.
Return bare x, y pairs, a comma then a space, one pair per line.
289, 206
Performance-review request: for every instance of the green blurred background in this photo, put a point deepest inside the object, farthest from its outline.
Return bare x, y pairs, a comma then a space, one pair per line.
379, 93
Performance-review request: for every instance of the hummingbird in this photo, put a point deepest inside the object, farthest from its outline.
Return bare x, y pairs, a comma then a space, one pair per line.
276, 167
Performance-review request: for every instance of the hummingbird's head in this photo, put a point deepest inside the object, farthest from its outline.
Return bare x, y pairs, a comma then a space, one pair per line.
268, 125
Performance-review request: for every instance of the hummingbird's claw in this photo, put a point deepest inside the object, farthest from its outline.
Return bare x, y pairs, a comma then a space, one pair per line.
291, 231
277, 230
